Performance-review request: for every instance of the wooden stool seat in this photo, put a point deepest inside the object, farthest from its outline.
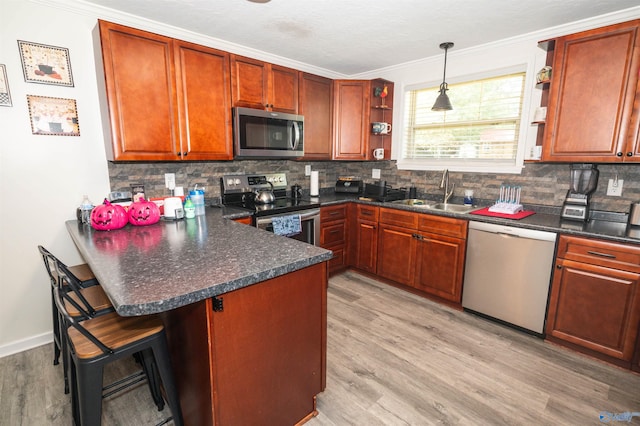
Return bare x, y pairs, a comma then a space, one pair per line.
114, 331
95, 296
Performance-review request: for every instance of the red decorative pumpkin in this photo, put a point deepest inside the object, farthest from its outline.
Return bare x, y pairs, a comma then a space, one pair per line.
143, 212
108, 216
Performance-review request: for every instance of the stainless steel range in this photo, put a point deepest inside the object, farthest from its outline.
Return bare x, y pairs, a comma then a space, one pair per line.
252, 192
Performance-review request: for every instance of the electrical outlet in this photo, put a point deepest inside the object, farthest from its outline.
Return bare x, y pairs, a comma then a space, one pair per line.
614, 188
170, 180
307, 170
375, 173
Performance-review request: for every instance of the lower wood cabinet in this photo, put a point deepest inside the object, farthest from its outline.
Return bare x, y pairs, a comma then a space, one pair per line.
333, 235
595, 298
423, 251
363, 237
253, 356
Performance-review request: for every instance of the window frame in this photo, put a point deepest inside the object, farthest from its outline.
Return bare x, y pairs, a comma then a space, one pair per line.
527, 131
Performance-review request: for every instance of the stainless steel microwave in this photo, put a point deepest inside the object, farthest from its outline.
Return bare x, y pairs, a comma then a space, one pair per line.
267, 134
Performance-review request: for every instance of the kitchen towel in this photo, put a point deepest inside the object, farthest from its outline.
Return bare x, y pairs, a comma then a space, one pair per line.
314, 190
520, 215
287, 225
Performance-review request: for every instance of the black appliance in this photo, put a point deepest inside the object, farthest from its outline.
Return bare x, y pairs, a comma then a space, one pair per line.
239, 191
584, 181
382, 192
267, 134
349, 185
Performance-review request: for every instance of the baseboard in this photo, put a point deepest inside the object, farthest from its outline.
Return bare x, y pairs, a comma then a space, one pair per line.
25, 344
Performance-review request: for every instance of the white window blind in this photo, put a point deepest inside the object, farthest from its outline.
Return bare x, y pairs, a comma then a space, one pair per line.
483, 127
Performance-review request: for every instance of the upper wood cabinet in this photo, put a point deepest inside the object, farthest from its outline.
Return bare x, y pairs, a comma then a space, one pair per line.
157, 108
351, 120
257, 84
594, 97
316, 105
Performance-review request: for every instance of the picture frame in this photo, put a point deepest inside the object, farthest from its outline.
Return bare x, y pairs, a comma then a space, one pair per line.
45, 64
53, 116
5, 94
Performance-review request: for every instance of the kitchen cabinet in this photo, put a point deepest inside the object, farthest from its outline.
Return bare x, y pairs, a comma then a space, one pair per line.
156, 106
425, 252
397, 245
316, 105
594, 305
593, 109
363, 237
351, 120
252, 356
333, 235
261, 85
440, 256
381, 110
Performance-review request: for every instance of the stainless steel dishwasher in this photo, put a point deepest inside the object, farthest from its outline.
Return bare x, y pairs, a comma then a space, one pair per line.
507, 274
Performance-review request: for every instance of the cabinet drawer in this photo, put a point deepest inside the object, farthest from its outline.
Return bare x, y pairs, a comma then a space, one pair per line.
368, 213
328, 214
401, 218
625, 257
333, 233
443, 225
338, 261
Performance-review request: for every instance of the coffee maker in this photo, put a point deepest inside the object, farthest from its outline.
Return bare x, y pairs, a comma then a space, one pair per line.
584, 180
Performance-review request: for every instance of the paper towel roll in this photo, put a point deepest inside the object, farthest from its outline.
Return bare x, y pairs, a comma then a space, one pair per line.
314, 191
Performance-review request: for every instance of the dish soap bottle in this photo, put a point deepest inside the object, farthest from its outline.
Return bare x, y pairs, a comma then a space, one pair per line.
189, 208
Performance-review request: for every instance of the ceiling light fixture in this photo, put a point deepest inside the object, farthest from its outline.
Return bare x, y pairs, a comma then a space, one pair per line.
442, 102
259, 1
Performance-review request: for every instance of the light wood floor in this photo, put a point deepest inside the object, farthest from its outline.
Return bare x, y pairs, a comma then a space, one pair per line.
393, 358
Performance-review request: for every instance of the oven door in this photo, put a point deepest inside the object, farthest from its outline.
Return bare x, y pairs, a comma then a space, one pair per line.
309, 221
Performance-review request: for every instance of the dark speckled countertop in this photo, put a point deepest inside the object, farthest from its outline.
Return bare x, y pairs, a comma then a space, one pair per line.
155, 268
545, 219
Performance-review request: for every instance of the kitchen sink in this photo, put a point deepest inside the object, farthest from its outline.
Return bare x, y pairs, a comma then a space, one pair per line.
430, 205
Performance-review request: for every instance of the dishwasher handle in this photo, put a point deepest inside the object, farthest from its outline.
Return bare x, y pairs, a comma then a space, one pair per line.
512, 231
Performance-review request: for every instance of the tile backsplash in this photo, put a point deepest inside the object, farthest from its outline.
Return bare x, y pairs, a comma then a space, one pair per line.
542, 183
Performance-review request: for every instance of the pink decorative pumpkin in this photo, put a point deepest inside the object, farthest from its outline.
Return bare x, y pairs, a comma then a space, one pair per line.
143, 212
108, 216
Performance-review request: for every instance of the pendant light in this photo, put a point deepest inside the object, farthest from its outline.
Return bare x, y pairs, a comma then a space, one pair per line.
442, 102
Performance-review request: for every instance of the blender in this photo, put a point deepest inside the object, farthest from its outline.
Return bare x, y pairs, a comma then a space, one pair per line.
584, 180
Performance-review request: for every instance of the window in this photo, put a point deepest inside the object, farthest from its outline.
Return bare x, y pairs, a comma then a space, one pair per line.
481, 133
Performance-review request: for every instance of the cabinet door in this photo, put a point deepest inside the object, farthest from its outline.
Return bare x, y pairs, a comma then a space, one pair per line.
351, 120
595, 307
205, 102
439, 266
316, 105
283, 89
396, 251
591, 95
249, 83
141, 94
367, 246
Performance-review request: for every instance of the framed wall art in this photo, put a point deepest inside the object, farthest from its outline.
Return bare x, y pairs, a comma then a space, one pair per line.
53, 116
5, 95
45, 64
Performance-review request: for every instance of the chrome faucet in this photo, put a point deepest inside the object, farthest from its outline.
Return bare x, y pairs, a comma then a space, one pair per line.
444, 184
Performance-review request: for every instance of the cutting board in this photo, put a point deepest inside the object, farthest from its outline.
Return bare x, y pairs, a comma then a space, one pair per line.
520, 215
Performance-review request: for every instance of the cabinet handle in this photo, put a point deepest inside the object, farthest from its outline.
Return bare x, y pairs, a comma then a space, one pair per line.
417, 236
335, 231
607, 255
559, 266
619, 154
333, 213
629, 154
184, 154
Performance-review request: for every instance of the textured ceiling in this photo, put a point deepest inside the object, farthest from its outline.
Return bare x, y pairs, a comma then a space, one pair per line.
352, 37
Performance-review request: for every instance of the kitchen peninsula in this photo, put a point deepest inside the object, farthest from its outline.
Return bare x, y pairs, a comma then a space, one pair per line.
245, 311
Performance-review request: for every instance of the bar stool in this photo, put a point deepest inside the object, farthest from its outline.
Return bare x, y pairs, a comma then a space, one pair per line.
97, 341
89, 299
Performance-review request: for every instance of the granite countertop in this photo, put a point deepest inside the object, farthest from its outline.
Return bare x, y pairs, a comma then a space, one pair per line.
545, 219
155, 268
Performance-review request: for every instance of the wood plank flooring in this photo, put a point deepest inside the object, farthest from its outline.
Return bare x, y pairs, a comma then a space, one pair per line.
393, 359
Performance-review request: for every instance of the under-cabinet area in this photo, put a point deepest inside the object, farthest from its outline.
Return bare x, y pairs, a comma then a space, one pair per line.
591, 304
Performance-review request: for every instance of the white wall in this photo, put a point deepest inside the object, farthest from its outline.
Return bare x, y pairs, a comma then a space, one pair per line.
43, 178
